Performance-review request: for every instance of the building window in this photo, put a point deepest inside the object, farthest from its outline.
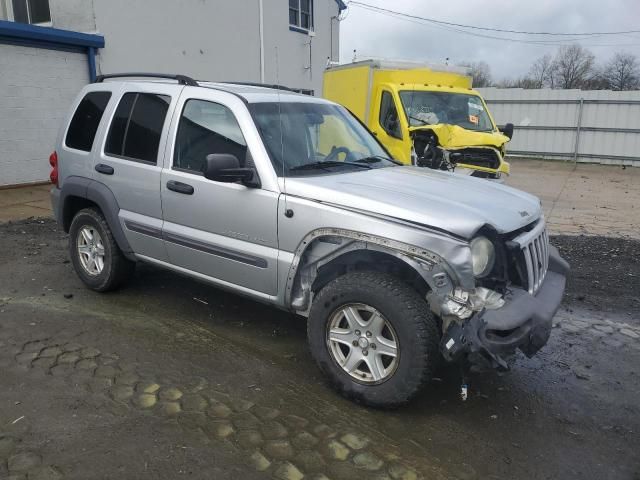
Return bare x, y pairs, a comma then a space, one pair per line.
35, 12
301, 14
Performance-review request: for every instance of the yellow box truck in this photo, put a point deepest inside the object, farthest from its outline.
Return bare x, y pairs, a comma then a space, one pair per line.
424, 115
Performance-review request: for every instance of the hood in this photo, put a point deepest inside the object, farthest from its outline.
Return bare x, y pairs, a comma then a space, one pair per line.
455, 203
453, 136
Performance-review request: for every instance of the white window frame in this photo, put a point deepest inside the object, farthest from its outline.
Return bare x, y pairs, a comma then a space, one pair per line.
7, 9
298, 24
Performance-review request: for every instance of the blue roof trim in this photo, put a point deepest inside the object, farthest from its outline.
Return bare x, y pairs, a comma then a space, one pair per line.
48, 36
341, 5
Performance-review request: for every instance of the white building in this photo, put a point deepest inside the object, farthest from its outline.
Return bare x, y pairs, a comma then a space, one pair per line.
50, 48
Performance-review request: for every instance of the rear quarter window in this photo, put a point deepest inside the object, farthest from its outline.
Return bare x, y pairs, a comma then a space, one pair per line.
85, 121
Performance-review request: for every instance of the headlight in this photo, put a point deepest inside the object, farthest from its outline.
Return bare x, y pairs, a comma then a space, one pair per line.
483, 256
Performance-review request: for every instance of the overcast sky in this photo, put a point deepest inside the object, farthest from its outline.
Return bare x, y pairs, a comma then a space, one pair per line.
377, 35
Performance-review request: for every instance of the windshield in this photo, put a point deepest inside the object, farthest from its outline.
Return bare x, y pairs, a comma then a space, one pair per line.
304, 138
430, 108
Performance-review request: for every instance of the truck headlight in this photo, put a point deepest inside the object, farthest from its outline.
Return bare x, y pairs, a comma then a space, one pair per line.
483, 256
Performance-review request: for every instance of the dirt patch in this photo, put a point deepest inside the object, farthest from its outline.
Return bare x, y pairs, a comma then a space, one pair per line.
605, 272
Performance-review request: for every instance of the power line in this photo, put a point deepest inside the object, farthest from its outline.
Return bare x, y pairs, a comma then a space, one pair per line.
447, 26
475, 27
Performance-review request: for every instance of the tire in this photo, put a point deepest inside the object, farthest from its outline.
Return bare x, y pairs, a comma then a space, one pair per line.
116, 269
409, 321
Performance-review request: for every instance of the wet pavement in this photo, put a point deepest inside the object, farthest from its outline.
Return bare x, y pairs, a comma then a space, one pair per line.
170, 378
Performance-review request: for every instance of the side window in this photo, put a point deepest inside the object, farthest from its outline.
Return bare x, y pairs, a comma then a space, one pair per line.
205, 128
84, 124
389, 115
137, 126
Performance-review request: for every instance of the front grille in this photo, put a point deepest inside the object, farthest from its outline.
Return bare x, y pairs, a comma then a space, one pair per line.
534, 250
481, 157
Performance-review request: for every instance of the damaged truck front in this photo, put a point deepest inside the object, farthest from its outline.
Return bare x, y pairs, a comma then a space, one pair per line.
427, 116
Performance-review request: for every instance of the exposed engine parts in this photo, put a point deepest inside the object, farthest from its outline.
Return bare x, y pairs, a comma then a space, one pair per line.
426, 152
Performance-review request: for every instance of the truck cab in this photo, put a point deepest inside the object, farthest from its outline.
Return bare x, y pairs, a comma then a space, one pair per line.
427, 116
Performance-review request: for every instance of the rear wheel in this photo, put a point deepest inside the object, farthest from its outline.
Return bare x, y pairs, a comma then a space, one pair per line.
374, 337
95, 255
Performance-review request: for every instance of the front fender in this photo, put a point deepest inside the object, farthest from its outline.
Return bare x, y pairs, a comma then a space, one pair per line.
325, 245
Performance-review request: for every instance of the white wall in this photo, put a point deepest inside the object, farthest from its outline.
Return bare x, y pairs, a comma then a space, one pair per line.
76, 15
293, 48
213, 40
37, 88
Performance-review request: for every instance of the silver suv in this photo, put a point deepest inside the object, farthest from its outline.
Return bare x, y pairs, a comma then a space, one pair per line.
289, 200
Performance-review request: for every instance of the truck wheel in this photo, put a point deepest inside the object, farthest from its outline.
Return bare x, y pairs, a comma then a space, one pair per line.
95, 254
374, 337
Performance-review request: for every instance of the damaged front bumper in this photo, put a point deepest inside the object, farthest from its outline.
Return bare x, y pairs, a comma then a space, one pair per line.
523, 322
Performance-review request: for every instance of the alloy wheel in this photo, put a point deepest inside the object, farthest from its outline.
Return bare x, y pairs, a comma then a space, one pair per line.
363, 343
91, 250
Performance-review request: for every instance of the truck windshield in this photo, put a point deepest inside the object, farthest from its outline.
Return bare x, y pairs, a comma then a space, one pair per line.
307, 138
431, 108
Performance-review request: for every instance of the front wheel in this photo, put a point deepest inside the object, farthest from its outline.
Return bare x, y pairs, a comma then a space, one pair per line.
374, 337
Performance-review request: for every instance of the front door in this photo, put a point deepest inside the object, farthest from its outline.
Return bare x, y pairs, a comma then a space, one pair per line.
225, 231
387, 126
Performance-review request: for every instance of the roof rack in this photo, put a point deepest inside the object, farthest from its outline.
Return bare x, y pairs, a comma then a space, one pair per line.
181, 79
264, 85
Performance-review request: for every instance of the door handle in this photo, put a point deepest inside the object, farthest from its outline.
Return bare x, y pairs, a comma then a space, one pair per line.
106, 169
180, 187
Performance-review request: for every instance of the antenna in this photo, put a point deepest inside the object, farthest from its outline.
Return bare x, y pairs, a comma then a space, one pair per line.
284, 172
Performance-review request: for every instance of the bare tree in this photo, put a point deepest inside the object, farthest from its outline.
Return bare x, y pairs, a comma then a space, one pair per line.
518, 82
622, 72
573, 65
480, 72
541, 73
596, 81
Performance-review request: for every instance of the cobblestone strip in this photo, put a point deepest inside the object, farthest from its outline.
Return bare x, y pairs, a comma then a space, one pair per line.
280, 444
16, 461
613, 334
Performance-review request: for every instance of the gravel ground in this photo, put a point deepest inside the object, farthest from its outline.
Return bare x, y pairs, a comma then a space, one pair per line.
170, 378
605, 272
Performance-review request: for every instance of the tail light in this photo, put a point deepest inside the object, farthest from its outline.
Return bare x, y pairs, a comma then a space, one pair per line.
53, 161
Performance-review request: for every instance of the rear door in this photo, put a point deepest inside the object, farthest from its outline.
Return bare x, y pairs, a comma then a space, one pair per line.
130, 161
225, 231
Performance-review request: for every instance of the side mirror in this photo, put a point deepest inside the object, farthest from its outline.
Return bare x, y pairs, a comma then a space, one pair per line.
224, 167
507, 130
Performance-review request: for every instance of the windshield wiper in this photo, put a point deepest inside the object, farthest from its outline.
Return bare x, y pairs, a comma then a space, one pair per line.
331, 163
423, 122
377, 159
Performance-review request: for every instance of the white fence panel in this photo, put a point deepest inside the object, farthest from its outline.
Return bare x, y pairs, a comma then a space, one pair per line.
598, 126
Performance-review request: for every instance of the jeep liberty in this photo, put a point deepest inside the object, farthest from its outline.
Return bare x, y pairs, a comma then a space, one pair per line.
291, 201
